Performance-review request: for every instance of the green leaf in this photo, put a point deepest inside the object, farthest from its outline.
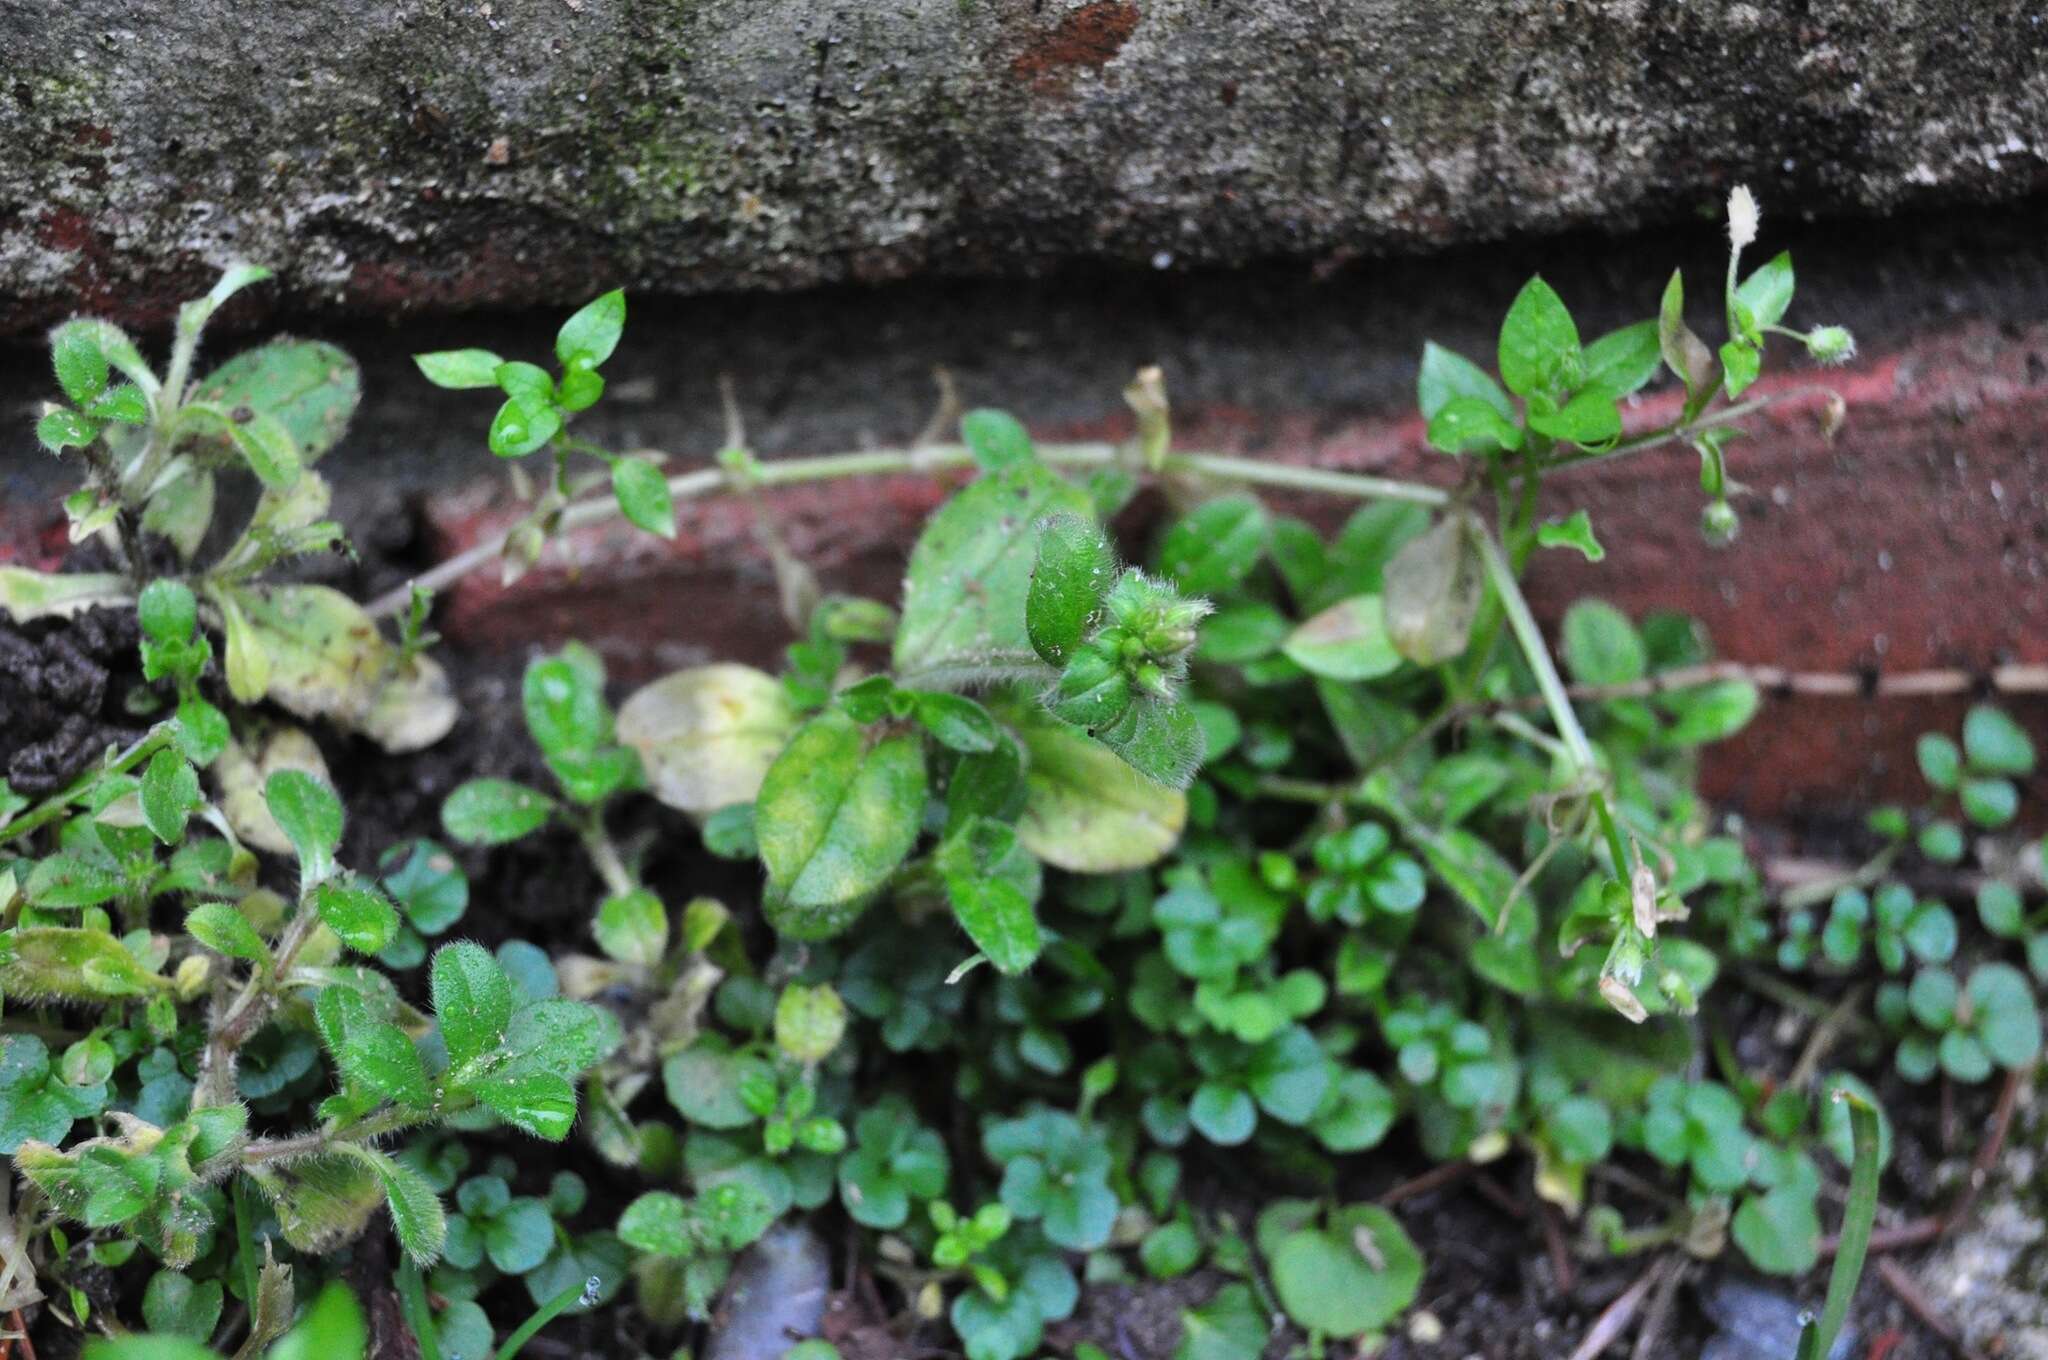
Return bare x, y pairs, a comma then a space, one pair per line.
1086, 810
1171, 1249
426, 883
562, 698
834, 819
1710, 712
63, 429
1072, 574
993, 884
264, 442
1356, 1113
494, 811
1601, 646
1348, 1279
1623, 361
1995, 743
1347, 641
1225, 1115
308, 387
705, 1080
997, 439
169, 794
970, 574
1239, 634
356, 912
1941, 763
957, 722
2004, 1015
460, 368
177, 1305
1212, 548
1539, 345
1446, 375
632, 927
809, 1022
1589, 419
472, 1001
1740, 363
125, 404
1779, 1230
309, 814
1942, 841
1464, 424
379, 1058
65, 880
1990, 802
1230, 1326
1161, 739
223, 928
2000, 909
1767, 292
1289, 1076
644, 496
520, 427
540, 1103
81, 368
417, 1218
1575, 531
592, 333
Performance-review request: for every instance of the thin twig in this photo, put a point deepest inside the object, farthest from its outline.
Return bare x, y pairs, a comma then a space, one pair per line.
1908, 1291
1436, 1178
1563, 1273
1845, 1016
1650, 1338
1615, 1317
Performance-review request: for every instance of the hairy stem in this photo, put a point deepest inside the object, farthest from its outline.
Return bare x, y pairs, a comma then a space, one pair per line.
702, 482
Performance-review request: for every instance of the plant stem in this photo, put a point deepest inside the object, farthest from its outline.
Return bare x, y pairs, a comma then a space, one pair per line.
702, 482
412, 1302
1684, 430
53, 807
1817, 1340
1537, 653
542, 1316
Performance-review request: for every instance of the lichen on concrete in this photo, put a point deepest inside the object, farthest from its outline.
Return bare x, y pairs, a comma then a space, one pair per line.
451, 152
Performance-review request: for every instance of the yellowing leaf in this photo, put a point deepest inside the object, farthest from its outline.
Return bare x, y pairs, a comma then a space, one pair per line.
707, 735
322, 657
26, 594
1087, 811
240, 774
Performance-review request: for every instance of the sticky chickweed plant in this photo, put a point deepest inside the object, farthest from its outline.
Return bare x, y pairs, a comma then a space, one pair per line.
1083, 859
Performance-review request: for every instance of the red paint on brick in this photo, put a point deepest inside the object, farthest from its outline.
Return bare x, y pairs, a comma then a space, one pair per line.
1084, 39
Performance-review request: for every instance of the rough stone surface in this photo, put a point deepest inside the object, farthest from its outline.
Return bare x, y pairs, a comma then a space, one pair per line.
389, 156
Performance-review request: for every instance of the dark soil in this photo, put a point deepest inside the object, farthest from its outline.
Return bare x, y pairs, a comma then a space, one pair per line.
1492, 1285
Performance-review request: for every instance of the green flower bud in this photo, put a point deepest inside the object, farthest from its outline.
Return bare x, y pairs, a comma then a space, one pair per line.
1831, 344
1719, 524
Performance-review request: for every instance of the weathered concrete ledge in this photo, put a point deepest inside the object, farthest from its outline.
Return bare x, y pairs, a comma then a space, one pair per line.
436, 153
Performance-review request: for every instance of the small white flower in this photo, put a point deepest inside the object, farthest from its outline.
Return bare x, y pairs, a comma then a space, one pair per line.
1742, 216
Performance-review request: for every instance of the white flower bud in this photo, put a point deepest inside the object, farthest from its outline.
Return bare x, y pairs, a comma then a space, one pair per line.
1742, 216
